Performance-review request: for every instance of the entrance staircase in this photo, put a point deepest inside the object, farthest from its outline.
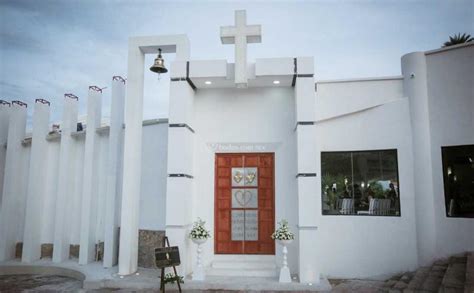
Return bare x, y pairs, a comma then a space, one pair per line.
243, 266
452, 275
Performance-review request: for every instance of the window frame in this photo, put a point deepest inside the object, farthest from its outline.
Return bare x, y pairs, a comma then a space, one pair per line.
361, 151
443, 159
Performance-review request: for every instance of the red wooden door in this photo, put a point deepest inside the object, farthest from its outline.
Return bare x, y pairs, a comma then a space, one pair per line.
244, 211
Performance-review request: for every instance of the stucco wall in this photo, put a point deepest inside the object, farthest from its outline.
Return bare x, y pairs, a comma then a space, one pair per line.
450, 76
50, 189
368, 246
336, 98
153, 186
76, 194
255, 116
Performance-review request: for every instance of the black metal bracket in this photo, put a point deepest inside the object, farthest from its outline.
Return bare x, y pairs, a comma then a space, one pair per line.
304, 123
95, 88
3, 102
181, 175
305, 175
119, 78
178, 79
295, 72
19, 103
181, 125
43, 101
191, 84
71, 96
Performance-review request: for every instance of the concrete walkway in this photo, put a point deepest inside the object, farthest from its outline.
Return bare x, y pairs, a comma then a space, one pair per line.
97, 278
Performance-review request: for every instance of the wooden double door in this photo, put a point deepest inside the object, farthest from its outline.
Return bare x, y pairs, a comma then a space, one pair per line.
244, 211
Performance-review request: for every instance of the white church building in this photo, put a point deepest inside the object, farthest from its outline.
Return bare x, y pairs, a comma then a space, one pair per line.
374, 175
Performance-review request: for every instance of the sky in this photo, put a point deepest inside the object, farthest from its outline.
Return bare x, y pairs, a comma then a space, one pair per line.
52, 47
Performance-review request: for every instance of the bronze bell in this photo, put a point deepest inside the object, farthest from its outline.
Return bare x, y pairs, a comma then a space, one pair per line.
159, 65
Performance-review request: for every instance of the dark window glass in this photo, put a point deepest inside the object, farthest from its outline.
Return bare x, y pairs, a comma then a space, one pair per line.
360, 183
458, 173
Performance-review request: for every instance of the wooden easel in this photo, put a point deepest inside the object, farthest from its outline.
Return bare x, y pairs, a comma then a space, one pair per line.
166, 243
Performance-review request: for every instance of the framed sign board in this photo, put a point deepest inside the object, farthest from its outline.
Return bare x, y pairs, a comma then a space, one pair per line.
167, 257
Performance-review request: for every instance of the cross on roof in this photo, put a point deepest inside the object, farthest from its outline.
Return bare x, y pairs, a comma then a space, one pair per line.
240, 35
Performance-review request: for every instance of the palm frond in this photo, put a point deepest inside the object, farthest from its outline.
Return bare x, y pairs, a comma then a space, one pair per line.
458, 39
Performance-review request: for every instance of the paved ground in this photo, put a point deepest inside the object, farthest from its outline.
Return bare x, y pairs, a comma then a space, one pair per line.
34, 283
42, 283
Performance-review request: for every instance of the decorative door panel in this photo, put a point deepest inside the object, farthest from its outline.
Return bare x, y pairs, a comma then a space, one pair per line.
244, 203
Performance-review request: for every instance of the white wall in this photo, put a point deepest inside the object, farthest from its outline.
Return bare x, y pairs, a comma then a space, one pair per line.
76, 194
21, 199
451, 108
50, 190
255, 116
101, 191
4, 121
154, 174
347, 96
367, 246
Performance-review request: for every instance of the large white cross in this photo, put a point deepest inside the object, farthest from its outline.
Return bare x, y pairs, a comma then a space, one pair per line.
240, 35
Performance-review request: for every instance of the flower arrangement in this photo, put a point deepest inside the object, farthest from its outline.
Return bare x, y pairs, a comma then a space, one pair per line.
283, 232
170, 278
199, 230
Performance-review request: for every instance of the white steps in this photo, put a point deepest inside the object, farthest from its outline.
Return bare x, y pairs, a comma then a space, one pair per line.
243, 266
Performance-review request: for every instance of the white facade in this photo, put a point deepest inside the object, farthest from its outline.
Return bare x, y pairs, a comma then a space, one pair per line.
159, 174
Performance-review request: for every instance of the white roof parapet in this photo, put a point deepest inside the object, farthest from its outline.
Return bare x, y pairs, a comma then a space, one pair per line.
449, 48
363, 79
167, 44
56, 135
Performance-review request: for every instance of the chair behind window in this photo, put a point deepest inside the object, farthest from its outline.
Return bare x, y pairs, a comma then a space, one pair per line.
347, 206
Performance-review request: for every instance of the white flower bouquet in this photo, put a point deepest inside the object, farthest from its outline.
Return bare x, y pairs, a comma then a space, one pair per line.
283, 232
199, 230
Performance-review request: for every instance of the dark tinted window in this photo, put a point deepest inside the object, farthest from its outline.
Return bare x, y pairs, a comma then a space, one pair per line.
360, 183
458, 173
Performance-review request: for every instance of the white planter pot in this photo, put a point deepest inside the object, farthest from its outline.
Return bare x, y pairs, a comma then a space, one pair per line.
199, 241
285, 242
285, 276
198, 274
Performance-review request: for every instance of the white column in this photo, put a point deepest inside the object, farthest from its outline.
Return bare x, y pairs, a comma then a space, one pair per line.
132, 163
180, 189
90, 178
11, 203
4, 120
138, 46
36, 183
114, 163
65, 181
308, 197
415, 88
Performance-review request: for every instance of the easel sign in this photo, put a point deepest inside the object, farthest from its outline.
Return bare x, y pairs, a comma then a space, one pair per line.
166, 257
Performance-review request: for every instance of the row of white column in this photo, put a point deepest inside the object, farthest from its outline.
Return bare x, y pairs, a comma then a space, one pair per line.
28, 217
306, 166
11, 220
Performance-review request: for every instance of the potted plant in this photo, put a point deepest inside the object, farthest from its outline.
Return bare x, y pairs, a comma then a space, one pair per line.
283, 234
284, 237
199, 235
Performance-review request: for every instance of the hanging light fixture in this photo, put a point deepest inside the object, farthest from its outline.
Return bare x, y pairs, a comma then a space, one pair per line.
159, 65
